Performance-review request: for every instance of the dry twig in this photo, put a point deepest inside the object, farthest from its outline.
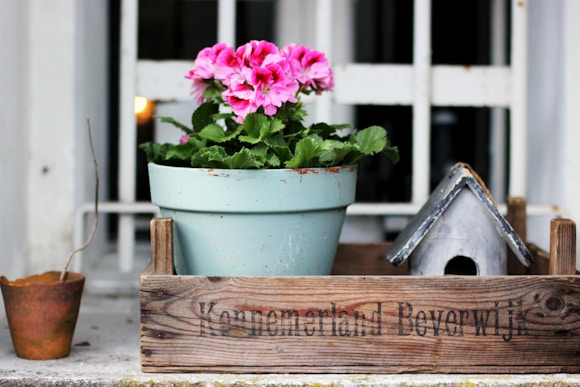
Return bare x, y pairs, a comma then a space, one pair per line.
96, 213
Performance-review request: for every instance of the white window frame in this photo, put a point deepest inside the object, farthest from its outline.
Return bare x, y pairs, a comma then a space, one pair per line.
420, 85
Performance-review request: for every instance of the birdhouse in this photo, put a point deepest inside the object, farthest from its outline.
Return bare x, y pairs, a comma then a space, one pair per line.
459, 230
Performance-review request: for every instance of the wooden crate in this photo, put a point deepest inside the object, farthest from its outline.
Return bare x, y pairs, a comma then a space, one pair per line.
366, 318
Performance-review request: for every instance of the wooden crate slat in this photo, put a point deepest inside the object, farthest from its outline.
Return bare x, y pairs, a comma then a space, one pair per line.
162, 245
316, 324
517, 218
562, 247
366, 317
365, 259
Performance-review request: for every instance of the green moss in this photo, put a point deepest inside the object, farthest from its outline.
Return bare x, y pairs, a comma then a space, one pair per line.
497, 381
152, 383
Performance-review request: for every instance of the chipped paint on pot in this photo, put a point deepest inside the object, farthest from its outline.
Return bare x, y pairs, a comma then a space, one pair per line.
254, 222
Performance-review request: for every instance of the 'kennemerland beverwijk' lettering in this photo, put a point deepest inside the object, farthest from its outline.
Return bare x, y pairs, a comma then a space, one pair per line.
504, 319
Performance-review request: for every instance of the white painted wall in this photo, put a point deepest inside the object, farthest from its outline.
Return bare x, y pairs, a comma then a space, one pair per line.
53, 77
570, 163
14, 137
553, 115
51, 113
545, 122
91, 96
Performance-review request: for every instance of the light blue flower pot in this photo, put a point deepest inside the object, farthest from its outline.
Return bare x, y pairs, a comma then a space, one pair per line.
254, 222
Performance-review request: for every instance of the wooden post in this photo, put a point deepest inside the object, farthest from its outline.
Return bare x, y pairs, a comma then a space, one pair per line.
562, 247
162, 246
517, 218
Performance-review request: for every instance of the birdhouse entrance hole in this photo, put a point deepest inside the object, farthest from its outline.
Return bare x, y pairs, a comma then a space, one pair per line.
461, 265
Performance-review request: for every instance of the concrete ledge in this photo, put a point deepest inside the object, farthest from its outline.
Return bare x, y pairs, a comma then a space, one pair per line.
106, 353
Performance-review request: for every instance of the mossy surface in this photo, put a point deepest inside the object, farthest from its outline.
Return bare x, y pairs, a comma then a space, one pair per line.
348, 382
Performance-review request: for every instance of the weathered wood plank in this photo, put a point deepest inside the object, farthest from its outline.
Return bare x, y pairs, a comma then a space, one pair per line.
365, 259
541, 265
161, 245
562, 247
517, 218
360, 324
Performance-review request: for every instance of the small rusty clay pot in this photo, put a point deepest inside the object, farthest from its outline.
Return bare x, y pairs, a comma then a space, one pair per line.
42, 313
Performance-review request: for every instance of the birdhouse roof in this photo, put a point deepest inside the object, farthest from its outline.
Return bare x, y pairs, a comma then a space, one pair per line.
460, 177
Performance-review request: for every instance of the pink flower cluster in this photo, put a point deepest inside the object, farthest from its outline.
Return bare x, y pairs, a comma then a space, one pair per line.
258, 74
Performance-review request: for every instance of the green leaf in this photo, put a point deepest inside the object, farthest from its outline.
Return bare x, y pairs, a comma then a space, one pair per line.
291, 112
216, 157
278, 146
203, 115
196, 142
335, 151
210, 157
166, 154
295, 129
276, 141
259, 127
174, 122
325, 130
152, 150
272, 161
276, 126
254, 125
306, 153
179, 152
214, 132
267, 155
371, 140
374, 140
244, 159
216, 140
392, 152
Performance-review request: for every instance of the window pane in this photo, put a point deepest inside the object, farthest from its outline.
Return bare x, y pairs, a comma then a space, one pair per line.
175, 29
384, 31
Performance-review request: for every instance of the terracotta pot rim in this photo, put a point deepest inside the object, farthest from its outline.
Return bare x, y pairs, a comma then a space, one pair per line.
71, 277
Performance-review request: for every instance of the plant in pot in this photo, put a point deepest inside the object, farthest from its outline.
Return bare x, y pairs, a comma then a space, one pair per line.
42, 309
251, 189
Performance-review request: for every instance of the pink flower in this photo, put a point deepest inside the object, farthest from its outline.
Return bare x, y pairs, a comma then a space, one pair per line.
317, 69
254, 53
206, 65
184, 139
198, 85
310, 67
273, 88
259, 75
228, 64
240, 96
206, 60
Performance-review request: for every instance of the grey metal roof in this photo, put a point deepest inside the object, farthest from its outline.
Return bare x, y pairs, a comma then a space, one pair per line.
461, 176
